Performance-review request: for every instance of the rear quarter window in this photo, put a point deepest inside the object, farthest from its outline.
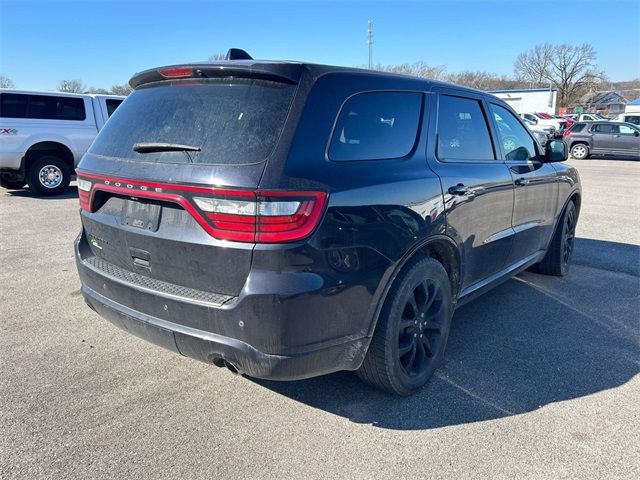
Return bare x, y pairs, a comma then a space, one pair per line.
376, 126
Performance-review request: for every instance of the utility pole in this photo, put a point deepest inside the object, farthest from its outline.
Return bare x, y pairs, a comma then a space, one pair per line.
370, 43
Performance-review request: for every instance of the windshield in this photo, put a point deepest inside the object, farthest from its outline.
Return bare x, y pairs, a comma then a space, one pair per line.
229, 121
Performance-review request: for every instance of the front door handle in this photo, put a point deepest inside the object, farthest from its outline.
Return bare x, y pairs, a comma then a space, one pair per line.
458, 189
521, 182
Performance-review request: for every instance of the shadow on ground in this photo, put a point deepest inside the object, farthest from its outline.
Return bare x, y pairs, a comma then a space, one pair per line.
71, 192
532, 341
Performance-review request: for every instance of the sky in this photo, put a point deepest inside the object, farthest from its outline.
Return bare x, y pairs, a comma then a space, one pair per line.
104, 43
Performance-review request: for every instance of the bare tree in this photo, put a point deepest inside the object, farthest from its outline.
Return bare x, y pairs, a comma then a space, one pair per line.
483, 80
217, 56
71, 86
97, 91
6, 82
123, 89
569, 68
417, 69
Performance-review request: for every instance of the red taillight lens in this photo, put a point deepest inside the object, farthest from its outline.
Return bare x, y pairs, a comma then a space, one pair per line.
267, 217
566, 133
172, 72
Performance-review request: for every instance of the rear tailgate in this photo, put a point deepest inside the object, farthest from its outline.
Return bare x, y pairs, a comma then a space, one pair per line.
146, 216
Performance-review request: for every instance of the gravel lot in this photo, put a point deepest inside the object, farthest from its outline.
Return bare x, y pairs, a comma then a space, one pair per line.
541, 378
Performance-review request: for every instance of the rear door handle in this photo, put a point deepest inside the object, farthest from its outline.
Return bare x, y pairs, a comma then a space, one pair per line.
521, 182
458, 189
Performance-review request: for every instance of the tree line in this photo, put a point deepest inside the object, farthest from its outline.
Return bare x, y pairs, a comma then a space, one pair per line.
570, 69
76, 86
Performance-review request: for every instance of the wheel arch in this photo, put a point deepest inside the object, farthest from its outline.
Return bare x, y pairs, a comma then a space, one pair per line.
45, 148
439, 247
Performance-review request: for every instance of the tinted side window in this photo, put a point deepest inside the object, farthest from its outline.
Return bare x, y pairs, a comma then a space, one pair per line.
604, 128
635, 119
463, 133
577, 127
516, 141
112, 105
13, 105
56, 108
376, 126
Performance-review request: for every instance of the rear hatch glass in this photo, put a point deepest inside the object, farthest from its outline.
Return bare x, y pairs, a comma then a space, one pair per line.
230, 121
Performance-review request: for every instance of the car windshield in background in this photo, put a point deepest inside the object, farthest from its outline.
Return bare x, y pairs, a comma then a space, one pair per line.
231, 121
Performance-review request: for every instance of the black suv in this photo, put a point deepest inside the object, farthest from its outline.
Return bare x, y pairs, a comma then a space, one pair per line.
603, 138
287, 220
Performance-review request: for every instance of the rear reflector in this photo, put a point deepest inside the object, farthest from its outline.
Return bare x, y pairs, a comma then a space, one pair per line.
172, 72
227, 214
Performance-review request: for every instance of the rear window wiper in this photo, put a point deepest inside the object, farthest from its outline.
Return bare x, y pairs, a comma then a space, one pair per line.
151, 147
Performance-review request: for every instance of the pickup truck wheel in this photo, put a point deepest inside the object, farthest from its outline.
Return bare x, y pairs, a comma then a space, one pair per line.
49, 176
11, 184
580, 151
558, 257
411, 335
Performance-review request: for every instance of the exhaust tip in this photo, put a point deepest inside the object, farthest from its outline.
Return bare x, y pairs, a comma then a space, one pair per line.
232, 368
222, 363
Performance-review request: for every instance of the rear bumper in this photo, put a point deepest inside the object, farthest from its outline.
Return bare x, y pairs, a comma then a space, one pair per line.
263, 337
208, 347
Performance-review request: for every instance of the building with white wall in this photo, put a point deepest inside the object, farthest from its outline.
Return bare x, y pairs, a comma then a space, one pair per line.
530, 99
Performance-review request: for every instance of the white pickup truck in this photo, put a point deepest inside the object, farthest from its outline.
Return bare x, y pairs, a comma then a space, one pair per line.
43, 136
537, 119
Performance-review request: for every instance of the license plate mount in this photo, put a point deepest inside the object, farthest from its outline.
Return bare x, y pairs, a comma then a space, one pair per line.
141, 214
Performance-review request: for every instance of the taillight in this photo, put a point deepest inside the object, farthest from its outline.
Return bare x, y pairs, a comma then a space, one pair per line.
84, 193
263, 217
227, 214
173, 72
566, 133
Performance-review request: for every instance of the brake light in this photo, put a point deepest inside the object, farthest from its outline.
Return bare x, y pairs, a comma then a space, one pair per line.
566, 133
268, 217
173, 72
226, 214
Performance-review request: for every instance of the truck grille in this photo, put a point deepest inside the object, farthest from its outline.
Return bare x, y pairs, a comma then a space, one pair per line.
159, 287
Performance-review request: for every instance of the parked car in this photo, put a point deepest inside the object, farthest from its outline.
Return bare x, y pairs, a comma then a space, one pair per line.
591, 117
538, 119
633, 118
545, 132
603, 138
288, 220
541, 134
43, 135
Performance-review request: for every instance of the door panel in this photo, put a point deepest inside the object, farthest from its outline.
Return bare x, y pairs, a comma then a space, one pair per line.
477, 188
536, 188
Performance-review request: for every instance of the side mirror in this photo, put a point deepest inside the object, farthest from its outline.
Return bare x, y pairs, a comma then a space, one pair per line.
636, 133
555, 151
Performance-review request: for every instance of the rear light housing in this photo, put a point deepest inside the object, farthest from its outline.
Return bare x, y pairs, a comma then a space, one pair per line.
256, 216
175, 72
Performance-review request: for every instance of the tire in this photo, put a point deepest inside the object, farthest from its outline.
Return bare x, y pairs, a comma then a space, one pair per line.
580, 151
558, 257
49, 176
11, 184
411, 335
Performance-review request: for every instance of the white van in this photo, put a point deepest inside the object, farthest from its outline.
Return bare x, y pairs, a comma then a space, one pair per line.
43, 135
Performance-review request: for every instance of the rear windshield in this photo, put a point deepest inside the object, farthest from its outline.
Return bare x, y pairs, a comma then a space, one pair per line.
231, 121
